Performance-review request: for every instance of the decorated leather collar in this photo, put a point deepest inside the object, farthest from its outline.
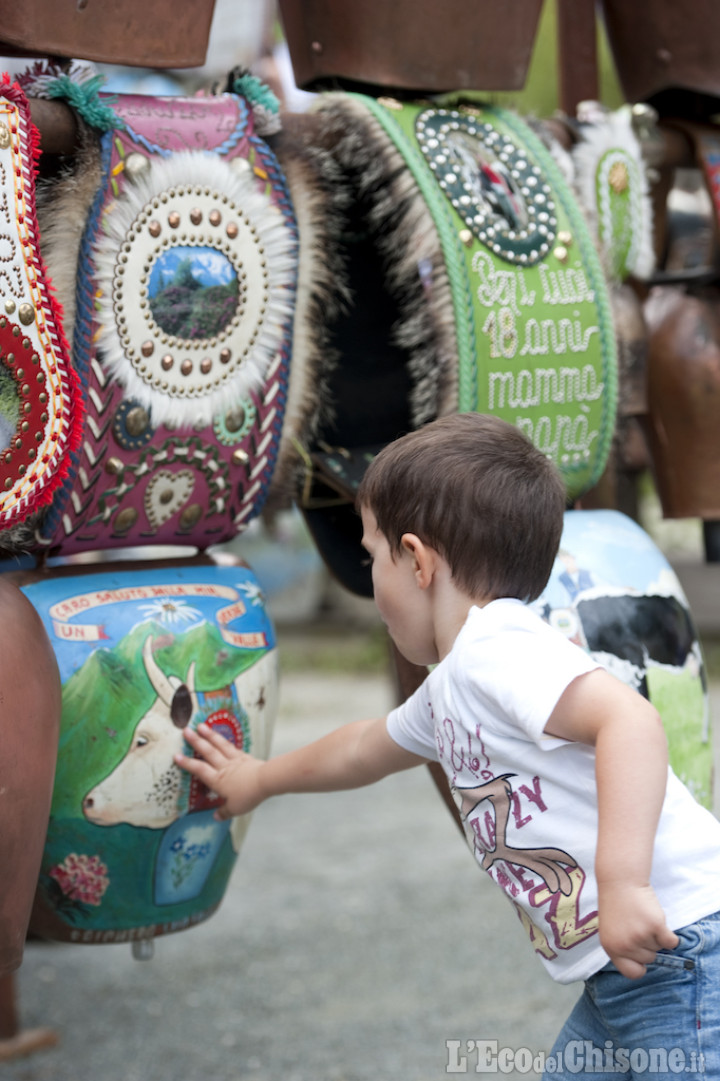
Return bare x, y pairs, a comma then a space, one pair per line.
502, 304
612, 186
39, 395
186, 289
533, 333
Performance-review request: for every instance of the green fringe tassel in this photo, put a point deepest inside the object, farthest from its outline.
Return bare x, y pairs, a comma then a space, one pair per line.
84, 99
256, 92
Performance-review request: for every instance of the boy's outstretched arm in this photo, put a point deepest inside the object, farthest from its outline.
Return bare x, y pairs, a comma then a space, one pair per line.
631, 773
354, 755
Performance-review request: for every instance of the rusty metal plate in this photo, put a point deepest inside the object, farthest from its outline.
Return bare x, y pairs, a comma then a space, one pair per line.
140, 33
414, 46
661, 45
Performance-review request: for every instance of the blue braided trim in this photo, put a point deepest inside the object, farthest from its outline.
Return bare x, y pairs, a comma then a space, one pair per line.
240, 129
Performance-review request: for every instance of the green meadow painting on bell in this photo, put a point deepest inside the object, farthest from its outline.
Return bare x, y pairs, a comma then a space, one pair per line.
132, 842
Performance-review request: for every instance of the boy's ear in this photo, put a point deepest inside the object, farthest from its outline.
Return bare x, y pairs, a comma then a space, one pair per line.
423, 557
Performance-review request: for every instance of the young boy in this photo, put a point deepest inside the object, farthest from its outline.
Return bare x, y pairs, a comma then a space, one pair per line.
616, 872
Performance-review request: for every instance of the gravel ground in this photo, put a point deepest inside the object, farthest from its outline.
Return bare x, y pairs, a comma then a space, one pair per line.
355, 940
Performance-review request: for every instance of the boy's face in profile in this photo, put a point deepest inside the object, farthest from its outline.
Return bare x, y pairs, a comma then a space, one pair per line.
402, 603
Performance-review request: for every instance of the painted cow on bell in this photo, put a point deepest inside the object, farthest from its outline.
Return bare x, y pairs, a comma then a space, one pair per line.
146, 788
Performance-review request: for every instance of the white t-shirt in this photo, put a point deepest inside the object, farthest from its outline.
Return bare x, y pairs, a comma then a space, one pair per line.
529, 800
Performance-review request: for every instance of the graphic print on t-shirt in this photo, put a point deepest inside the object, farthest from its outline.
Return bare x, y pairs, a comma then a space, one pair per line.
562, 880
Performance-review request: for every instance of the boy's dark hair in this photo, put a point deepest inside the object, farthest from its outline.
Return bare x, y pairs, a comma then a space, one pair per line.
476, 489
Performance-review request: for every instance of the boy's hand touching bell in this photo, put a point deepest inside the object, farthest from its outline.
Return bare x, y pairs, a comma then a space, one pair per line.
231, 774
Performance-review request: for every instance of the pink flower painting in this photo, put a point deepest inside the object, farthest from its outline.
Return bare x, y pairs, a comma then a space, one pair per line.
81, 878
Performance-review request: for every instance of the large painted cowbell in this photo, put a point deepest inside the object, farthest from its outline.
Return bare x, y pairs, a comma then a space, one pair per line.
133, 850
613, 592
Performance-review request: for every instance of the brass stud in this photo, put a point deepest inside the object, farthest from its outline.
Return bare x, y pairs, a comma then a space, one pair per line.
565, 238
240, 457
167, 362
196, 215
147, 348
154, 228
561, 253
191, 516
137, 420
125, 520
26, 314
215, 217
4, 136
232, 230
465, 237
205, 365
114, 466
173, 219
186, 367
225, 356
10, 306
618, 177
235, 419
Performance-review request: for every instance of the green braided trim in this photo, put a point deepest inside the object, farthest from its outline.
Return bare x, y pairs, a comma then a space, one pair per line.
451, 246
84, 98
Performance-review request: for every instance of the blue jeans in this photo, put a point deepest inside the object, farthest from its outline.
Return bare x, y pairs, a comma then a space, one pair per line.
665, 1024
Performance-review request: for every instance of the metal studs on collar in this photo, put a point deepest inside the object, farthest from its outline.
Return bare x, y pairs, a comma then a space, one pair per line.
500, 194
